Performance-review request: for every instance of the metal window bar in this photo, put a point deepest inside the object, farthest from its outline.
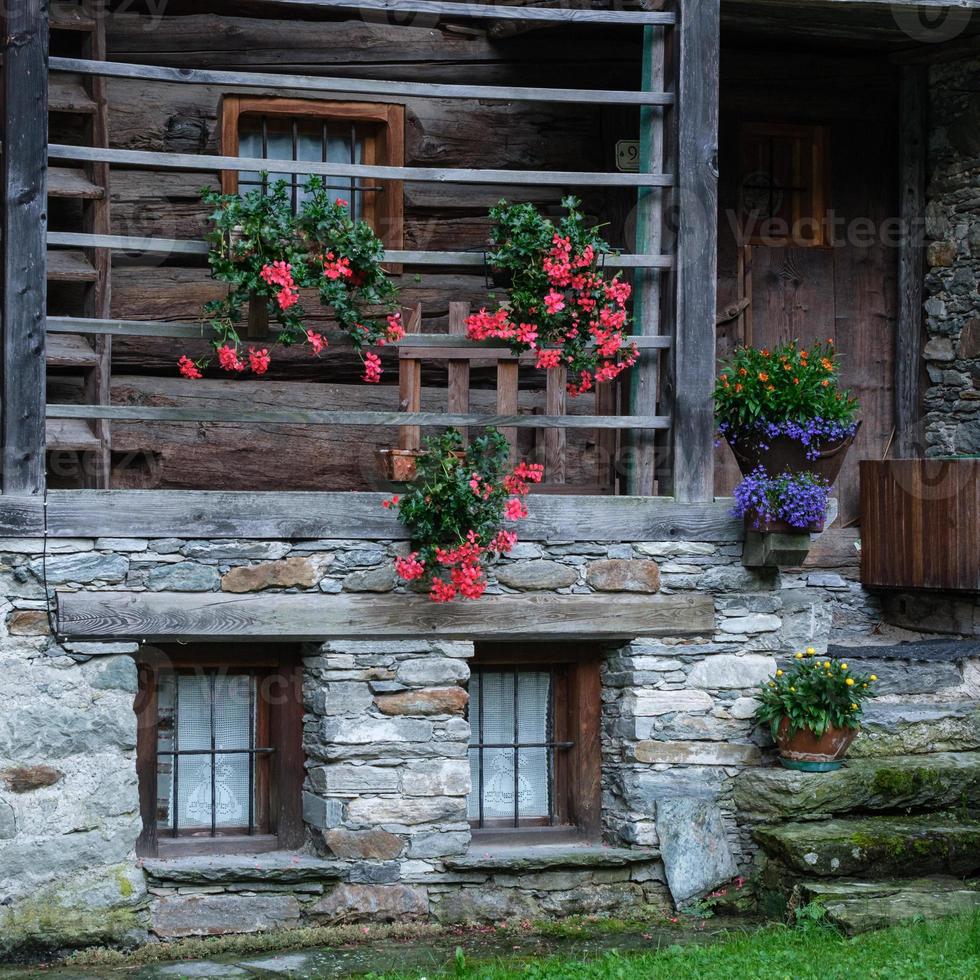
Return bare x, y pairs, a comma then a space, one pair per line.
481, 745
176, 753
355, 189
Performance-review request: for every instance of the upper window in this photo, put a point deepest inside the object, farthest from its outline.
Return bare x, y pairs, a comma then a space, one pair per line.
219, 740
783, 184
534, 743
322, 132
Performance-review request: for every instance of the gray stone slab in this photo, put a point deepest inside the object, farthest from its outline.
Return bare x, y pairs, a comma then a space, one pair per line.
273, 866
540, 856
694, 847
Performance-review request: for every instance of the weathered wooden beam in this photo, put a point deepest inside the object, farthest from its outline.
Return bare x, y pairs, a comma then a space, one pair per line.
435, 175
913, 145
775, 550
307, 516
295, 416
565, 13
388, 89
290, 617
24, 223
697, 250
185, 246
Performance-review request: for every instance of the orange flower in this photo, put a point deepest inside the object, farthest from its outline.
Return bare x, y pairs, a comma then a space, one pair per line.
827, 363
763, 376
765, 351
830, 340
770, 387
804, 354
826, 382
796, 381
738, 387
743, 372
787, 366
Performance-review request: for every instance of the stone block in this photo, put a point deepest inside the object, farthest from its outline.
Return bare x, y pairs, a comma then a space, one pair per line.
438, 845
938, 349
432, 671
342, 698
23, 779
724, 671
646, 703
743, 708
374, 872
537, 574
82, 568
376, 845
114, 674
371, 580
236, 550
676, 549
320, 813
349, 780
694, 847
736, 578
424, 701
184, 576
176, 916
36, 546
378, 732
941, 255
449, 777
758, 623
624, 575
407, 811
28, 622
383, 903
697, 753
121, 544
8, 821
645, 790
289, 573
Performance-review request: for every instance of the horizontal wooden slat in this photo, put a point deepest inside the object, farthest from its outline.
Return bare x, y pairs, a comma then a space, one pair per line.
298, 516
64, 266
70, 350
158, 328
73, 183
290, 617
70, 435
437, 175
293, 416
389, 88
68, 17
67, 94
560, 14
187, 246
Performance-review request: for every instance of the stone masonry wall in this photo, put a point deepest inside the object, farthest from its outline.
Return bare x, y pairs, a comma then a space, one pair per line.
952, 353
386, 736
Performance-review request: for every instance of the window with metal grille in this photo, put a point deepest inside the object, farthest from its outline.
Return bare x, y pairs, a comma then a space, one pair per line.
783, 184
534, 740
219, 750
325, 132
212, 756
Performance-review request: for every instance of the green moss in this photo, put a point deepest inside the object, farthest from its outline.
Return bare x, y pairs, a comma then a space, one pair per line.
903, 783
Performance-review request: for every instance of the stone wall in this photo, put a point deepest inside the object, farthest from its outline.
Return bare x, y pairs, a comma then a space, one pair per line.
385, 738
952, 353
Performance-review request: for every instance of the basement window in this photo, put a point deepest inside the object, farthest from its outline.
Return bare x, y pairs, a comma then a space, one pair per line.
218, 736
534, 744
784, 184
322, 132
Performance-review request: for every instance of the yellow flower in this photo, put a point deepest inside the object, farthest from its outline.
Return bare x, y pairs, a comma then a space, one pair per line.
854, 707
843, 666
864, 685
810, 651
792, 690
873, 677
799, 656
779, 673
849, 682
772, 684
826, 665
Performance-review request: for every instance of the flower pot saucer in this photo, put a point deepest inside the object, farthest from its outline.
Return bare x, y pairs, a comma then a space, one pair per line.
801, 766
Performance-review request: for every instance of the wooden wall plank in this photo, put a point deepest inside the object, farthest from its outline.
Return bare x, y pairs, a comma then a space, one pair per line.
697, 252
24, 225
301, 516
291, 617
913, 146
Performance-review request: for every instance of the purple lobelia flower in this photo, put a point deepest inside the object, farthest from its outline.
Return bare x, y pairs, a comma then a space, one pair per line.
799, 499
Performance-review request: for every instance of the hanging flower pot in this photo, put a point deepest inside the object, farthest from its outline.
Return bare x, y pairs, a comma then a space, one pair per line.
790, 503
773, 525
786, 454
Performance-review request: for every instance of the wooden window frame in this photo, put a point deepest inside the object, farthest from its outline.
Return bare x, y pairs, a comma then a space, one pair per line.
817, 176
384, 211
284, 726
577, 718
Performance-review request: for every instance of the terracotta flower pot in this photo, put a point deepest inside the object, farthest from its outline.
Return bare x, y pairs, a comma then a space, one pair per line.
811, 753
780, 527
785, 454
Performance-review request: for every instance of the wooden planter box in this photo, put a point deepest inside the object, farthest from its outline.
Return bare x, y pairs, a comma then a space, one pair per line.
920, 524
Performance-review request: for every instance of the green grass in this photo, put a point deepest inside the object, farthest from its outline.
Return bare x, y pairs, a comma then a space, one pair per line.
949, 949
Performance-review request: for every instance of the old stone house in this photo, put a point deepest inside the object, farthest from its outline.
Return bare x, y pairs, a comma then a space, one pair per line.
219, 711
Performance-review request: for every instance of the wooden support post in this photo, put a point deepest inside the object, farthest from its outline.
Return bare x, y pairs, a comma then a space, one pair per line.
644, 377
459, 370
693, 366
24, 230
410, 387
507, 389
913, 110
554, 439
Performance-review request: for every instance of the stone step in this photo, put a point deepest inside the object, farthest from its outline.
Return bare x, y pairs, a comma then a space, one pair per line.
858, 906
936, 781
876, 847
904, 729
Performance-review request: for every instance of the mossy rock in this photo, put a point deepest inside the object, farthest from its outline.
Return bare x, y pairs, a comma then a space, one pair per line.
937, 781
876, 846
859, 906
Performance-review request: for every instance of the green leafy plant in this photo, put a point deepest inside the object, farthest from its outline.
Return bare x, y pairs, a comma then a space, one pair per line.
814, 693
562, 308
266, 253
455, 508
